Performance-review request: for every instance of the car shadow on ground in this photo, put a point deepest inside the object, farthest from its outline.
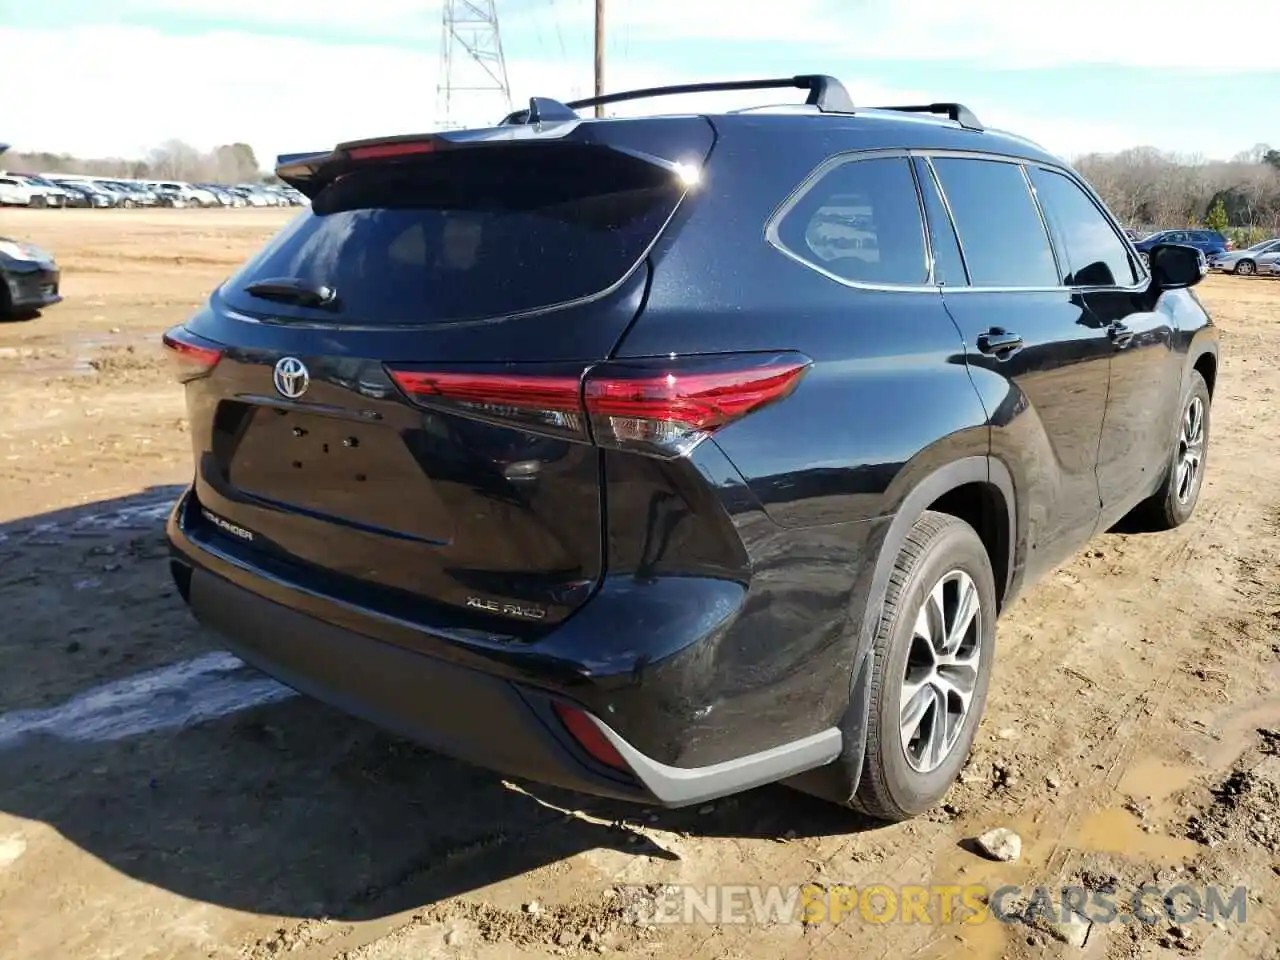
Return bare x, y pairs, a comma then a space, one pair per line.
19, 316
124, 727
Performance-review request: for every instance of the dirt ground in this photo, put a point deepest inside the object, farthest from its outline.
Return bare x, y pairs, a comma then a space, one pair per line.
159, 800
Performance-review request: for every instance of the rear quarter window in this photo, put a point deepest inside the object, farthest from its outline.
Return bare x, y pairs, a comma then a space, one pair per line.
469, 234
859, 221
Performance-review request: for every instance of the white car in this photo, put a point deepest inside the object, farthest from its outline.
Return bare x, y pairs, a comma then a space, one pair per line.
16, 192
184, 192
45, 193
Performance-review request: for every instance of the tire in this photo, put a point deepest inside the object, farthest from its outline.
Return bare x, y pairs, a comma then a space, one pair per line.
1174, 503
1246, 268
942, 557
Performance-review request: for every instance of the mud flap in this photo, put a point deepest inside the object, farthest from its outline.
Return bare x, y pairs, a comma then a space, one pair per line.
838, 780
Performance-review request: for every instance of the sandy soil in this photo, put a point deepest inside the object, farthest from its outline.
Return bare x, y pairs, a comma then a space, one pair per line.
158, 800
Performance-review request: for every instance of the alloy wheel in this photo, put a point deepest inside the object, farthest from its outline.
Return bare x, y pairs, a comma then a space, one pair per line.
1190, 451
942, 671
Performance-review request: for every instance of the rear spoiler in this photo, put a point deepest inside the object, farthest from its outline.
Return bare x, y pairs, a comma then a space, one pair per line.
309, 173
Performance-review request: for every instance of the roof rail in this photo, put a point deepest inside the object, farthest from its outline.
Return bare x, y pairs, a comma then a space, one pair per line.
826, 93
954, 111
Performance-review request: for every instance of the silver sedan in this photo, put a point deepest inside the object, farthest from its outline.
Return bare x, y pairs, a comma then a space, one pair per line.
1248, 261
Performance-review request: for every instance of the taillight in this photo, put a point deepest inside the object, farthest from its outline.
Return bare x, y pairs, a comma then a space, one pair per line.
666, 407
589, 736
661, 407
190, 355
549, 403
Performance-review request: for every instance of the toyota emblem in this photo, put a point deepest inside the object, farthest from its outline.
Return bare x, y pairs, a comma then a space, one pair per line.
291, 377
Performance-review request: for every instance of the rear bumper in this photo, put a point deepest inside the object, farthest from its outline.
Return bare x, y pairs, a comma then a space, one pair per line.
471, 714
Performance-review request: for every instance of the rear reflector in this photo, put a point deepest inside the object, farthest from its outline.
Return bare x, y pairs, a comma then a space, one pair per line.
191, 356
589, 736
662, 407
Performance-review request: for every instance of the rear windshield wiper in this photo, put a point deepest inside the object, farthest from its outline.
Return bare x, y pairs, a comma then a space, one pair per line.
304, 293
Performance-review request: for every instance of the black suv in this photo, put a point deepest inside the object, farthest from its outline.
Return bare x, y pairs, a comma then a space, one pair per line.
664, 457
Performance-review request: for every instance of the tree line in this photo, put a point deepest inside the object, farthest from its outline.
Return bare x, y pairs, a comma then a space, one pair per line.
1146, 188
1149, 189
172, 160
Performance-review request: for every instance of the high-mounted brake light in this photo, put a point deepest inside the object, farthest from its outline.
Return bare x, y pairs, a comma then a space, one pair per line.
385, 151
662, 407
190, 355
589, 736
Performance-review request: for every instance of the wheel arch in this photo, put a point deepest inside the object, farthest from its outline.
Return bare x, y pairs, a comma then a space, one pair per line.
1206, 364
976, 489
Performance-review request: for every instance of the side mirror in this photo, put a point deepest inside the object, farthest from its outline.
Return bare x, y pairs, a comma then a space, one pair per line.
1175, 266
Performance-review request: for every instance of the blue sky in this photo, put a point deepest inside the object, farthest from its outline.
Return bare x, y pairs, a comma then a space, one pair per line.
290, 75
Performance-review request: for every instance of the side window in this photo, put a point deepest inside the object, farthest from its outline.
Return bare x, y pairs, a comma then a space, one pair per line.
948, 265
860, 222
1095, 255
1001, 233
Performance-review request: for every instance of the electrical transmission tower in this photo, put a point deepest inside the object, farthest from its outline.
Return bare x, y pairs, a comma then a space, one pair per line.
471, 59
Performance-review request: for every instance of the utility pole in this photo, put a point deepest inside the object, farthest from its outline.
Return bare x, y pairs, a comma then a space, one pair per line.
599, 55
471, 25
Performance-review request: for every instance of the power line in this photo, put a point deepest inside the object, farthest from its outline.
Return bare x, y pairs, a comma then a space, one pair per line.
469, 38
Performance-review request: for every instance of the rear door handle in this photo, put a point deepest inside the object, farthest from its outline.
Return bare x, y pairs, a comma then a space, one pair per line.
1120, 334
999, 343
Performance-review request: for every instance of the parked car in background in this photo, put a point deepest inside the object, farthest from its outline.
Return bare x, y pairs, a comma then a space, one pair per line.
15, 192
220, 193
1134, 235
77, 196
503, 445
120, 197
135, 193
49, 194
1210, 242
251, 196
94, 194
190, 196
1248, 261
29, 278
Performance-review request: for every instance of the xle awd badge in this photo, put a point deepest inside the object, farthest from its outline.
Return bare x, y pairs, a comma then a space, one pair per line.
291, 377
506, 608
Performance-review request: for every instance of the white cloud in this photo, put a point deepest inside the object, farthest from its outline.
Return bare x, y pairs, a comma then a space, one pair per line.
1014, 33
222, 87
102, 89
998, 33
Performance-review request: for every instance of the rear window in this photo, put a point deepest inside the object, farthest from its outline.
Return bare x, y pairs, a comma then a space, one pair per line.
468, 234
